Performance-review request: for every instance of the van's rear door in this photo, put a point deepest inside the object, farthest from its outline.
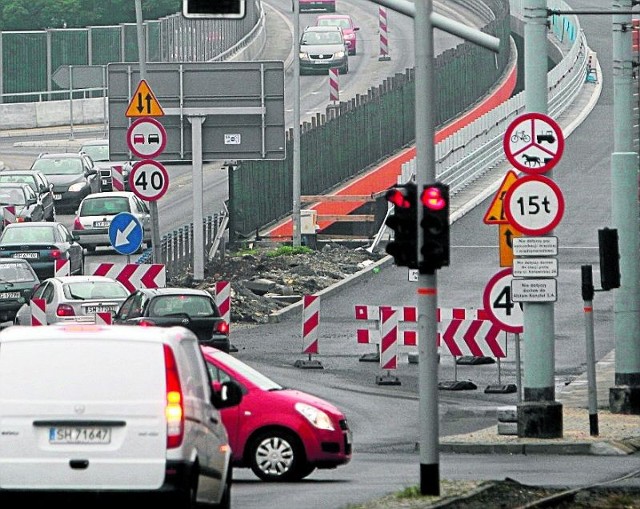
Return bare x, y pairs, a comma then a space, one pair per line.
82, 413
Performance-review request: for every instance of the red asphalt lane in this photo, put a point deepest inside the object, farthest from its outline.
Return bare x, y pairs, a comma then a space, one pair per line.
387, 173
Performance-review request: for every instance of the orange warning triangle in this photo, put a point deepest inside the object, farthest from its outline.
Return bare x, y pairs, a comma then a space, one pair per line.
144, 103
495, 214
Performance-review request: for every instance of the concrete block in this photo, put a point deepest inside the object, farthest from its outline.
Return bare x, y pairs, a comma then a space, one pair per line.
507, 413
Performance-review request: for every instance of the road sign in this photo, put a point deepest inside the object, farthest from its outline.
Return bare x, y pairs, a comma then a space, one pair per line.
535, 267
146, 138
125, 233
242, 102
534, 290
143, 103
80, 76
533, 143
149, 180
495, 213
506, 235
534, 205
503, 311
535, 246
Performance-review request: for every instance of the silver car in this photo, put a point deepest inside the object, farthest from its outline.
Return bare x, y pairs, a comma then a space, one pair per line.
323, 48
75, 299
96, 211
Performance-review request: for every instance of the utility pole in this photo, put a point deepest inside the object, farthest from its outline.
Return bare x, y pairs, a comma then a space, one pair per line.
297, 235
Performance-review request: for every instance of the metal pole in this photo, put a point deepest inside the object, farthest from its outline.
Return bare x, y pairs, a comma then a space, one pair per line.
197, 180
518, 368
587, 297
297, 237
153, 206
71, 102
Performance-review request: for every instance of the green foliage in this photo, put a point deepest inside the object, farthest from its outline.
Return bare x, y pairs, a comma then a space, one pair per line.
289, 250
42, 14
409, 492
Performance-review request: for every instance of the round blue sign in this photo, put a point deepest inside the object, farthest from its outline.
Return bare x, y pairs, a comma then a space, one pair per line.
125, 233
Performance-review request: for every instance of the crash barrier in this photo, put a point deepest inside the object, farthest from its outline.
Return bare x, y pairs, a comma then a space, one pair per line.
8, 215
223, 300
62, 268
132, 275
38, 312
384, 39
310, 332
334, 85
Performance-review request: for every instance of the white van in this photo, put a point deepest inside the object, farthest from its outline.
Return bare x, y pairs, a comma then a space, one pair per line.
115, 409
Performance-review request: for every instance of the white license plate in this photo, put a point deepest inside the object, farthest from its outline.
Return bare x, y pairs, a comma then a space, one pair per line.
9, 295
79, 435
57, 197
25, 255
101, 224
101, 309
105, 182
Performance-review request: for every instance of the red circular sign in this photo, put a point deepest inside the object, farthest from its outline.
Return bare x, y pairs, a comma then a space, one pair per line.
146, 138
149, 180
534, 205
502, 310
533, 143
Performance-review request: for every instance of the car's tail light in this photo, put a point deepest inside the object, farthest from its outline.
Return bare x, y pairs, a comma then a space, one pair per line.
174, 410
77, 225
65, 310
221, 327
147, 323
56, 254
20, 219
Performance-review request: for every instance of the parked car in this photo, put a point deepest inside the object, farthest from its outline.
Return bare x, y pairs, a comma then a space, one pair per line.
18, 280
41, 244
192, 308
345, 22
24, 200
38, 182
123, 411
98, 151
281, 434
73, 176
75, 299
93, 217
323, 48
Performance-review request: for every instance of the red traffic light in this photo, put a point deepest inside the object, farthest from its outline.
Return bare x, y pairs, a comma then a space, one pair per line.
399, 197
432, 198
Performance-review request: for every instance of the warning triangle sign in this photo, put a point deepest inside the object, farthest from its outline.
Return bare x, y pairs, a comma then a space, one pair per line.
495, 214
144, 103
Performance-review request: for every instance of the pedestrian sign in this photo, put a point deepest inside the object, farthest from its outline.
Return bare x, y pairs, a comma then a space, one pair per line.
495, 214
144, 103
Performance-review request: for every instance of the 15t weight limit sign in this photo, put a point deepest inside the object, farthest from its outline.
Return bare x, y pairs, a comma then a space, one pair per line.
534, 205
149, 180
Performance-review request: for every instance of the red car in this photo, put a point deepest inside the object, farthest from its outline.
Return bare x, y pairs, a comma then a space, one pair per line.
345, 22
281, 434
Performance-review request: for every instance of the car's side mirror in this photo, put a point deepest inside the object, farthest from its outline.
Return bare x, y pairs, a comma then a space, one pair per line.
32, 201
227, 395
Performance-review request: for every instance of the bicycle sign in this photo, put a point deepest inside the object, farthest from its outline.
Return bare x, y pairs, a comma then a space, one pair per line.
533, 143
502, 310
149, 180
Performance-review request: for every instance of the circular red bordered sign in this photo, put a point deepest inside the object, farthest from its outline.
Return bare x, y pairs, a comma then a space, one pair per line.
534, 205
146, 138
503, 312
533, 143
149, 180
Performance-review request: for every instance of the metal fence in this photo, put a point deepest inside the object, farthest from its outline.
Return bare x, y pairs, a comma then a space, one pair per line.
28, 60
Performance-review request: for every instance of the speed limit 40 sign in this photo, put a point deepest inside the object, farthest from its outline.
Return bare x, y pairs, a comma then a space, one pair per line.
503, 311
149, 180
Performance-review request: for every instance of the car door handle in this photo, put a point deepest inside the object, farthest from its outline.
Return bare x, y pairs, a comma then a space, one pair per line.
214, 419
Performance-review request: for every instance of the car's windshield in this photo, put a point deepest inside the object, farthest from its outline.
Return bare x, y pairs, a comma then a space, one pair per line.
59, 166
321, 38
83, 290
26, 179
108, 205
12, 196
192, 305
97, 152
29, 234
254, 376
16, 272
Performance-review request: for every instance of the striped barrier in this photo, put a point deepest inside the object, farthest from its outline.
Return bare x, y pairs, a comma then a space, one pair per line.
8, 215
117, 178
223, 300
104, 318
384, 39
334, 85
389, 338
62, 268
38, 312
310, 323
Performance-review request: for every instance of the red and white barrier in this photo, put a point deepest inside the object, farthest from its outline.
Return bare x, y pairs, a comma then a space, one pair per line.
334, 84
62, 268
310, 323
8, 215
478, 338
117, 178
372, 313
38, 312
104, 318
132, 275
223, 300
384, 40
389, 338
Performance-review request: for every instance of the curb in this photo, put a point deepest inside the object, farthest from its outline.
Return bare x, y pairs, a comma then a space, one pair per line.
603, 448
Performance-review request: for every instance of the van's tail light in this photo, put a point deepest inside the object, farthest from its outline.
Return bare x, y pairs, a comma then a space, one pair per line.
174, 411
65, 310
77, 225
221, 327
56, 254
20, 219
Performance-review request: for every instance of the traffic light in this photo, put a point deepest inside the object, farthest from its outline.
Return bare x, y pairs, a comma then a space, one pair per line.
404, 223
609, 258
435, 227
213, 8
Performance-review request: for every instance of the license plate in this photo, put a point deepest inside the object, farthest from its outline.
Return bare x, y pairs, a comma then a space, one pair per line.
9, 295
349, 437
79, 435
25, 255
101, 309
101, 224
57, 197
105, 182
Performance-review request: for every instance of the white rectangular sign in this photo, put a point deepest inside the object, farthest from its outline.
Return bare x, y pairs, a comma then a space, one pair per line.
535, 246
534, 290
535, 267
